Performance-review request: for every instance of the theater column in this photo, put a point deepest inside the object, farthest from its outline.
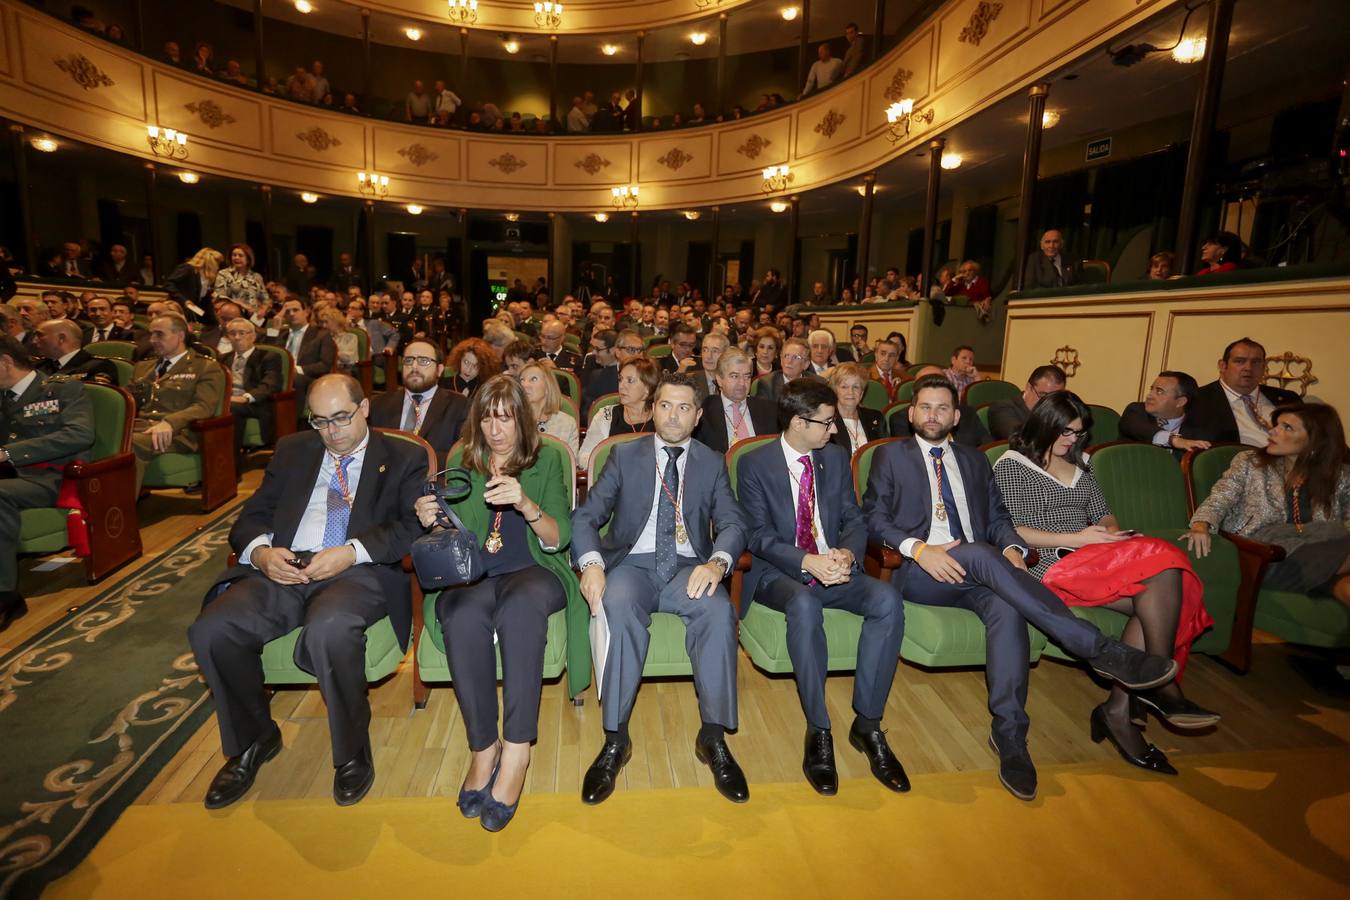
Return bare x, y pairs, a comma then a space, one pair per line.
635, 258
552, 80
878, 29
865, 227
465, 261
552, 227
265, 251
803, 48
637, 77
721, 65
23, 189
463, 87
930, 210
1031, 163
366, 85
794, 250
715, 262
259, 58
152, 219
369, 284
1202, 129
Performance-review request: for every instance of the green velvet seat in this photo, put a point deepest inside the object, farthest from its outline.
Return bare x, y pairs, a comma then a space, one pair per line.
874, 395
1144, 488
1315, 621
569, 407
572, 342
212, 466
982, 392
914, 368
124, 370
111, 349
1105, 424
994, 450
42, 530
757, 382
569, 384
283, 411
982, 413
905, 392
598, 404
433, 665
658, 351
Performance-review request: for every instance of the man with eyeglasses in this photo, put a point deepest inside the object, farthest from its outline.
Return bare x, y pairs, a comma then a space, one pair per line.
420, 407
382, 335
320, 546
600, 374
551, 348
795, 359
1006, 417
255, 375
683, 340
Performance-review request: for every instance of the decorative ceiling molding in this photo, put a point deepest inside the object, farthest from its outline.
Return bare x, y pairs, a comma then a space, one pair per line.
1067, 359
592, 163
508, 163
674, 159
754, 145
210, 113
83, 71
828, 125
317, 139
418, 155
978, 27
895, 91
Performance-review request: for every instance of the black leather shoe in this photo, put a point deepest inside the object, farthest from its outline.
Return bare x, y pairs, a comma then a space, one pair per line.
1131, 668
353, 778
236, 776
600, 777
1181, 713
727, 775
12, 606
1015, 769
818, 762
885, 767
1152, 759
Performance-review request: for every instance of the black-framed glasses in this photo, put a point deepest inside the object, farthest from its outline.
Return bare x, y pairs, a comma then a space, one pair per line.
628, 349
824, 423
1073, 432
421, 362
341, 420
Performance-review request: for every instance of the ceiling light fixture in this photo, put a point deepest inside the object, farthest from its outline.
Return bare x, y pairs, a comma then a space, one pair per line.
1190, 50
698, 38
692, 215
1049, 119
304, 6
512, 217
950, 161
414, 34
166, 142
625, 196
609, 49
413, 209
789, 13
369, 184
307, 197
43, 144
776, 178
189, 177
778, 206
602, 217
463, 12
900, 115
511, 45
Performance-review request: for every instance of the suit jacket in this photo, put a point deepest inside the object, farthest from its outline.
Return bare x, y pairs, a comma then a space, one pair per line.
872, 425
1249, 497
1212, 418
898, 504
769, 501
128, 274
600, 381
773, 385
393, 476
897, 376
715, 431
1137, 425
115, 333
670, 364
711, 515
190, 390
85, 367
184, 284
1040, 272
344, 278
262, 375
969, 432
704, 383
566, 359
317, 353
441, 423
51, 423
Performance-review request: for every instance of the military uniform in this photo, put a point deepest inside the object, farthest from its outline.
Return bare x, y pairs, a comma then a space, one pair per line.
50, 424
190, 389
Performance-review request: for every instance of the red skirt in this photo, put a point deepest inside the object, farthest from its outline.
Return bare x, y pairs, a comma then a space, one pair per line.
1101, 573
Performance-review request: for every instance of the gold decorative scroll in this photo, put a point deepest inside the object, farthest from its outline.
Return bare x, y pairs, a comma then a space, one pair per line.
210, 113
1067, 359
418, 155
80, 68
592, 163
674, 159
895, 91
754, 145
317, 139
978, 27
508, 163
1289, 368
830, 124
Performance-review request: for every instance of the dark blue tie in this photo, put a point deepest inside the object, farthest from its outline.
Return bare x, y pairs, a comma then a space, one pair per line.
667, 559
948, 497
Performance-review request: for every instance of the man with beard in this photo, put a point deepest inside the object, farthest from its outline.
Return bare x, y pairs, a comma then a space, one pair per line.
421, 408
934, 501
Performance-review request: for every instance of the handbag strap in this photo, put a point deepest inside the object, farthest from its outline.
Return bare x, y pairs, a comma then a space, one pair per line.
453, 475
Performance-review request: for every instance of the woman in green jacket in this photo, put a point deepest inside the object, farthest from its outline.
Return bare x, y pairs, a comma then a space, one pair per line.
519, 508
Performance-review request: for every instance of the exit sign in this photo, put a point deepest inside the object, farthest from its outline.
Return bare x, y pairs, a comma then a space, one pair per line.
1098, 149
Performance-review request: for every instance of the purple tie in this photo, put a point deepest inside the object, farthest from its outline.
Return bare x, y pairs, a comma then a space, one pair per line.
806, 507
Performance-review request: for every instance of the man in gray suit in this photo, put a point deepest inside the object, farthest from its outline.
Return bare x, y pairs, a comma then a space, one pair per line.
1048, 267
675, 533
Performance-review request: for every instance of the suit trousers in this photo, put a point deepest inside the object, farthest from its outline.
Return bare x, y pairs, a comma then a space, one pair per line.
633, 591
878, 646
1006, 599
515, 607
143, 446
228, 639
17, 494
260, 410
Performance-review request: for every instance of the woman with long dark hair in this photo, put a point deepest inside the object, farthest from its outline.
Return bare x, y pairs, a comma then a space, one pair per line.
1058, 508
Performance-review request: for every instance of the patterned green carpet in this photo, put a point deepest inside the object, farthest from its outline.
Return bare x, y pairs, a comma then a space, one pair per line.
93, 707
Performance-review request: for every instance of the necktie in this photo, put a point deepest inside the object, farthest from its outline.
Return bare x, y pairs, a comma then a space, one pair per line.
1162, 424
738, 422
161, 369
666, 515
339, 507
806, 507
1249, 401
293, 343
237, 370
413, 420
948, 497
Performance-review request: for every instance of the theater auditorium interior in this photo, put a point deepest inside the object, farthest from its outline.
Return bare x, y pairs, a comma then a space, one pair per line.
490, 445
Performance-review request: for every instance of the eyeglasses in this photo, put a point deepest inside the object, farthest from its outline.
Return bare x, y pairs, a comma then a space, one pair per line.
823, 424
628, 349
1073, 432
341, 420
421, 362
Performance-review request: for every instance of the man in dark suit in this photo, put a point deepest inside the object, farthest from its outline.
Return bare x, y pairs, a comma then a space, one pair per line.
312, 350
330, 566
704, 375
102, 327
255, 375
668, 495
1161, 418
795, 359
732, 414
1006, 417
421, 407
1048, 267
117, 269
345, 275
59, 341
808, 539
935, 502
32, 313
600, 373
297, 279
551, 347
73, 263
772, 292
683, 340
1237, 407
44, 424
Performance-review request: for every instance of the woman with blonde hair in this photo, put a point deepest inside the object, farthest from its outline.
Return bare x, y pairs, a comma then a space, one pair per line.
191, 284
545, 398
473, 361
238, 283
855, 424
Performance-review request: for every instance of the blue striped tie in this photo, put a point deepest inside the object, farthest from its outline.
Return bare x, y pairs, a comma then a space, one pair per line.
339, 510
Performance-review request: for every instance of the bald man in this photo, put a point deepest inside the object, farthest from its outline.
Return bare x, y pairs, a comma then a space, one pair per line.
59, 341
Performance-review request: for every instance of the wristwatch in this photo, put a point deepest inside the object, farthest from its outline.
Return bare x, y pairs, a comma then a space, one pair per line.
721, 564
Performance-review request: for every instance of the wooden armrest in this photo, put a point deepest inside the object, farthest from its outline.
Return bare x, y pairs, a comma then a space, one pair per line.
1253, 558
744, 563
407, 563
1267, 553
106, 466
884, 556
215, 423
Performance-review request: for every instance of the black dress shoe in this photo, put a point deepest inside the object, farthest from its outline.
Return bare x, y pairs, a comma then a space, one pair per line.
353, 778
236, 776
600, 777
1181, 713
12, 606
1015, 769
1152, 759
1131, 668
727, 775
885, 767
818, 762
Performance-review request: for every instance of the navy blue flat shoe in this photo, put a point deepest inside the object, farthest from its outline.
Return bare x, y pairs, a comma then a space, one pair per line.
496, 814
470, 803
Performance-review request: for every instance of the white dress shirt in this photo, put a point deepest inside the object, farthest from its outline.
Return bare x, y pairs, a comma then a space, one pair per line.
1250, 432
293, 342
794, 467
1163, 436
939, 531
857, 436
309, 534
729, 411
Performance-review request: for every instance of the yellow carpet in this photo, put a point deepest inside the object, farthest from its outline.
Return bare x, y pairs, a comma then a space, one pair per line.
1259, 824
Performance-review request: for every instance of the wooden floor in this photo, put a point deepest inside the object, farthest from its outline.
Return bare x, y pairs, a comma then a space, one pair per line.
937, 721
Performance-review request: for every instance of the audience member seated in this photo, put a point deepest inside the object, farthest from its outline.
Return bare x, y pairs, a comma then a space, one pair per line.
239, 283
1161, 418
348, 346
808, 539
600, 369
117, 269
424, 406
519, 508
380, 334
962, 372
312, 350
969, 430
1059, 509
731, 414
1220, 253
474, 361
854, 424
551, 347
254, 378
794, 362
324, 557
515, 355
125, 324
822, 347
1007, 416
638, 379
173, 388
887, 368
704, 375
1238, 406
102, 326
1048, 267
935, 502
44, 424
683, 340
32, 313
969, 283
545, 400
1294, 493
767, 345
59, 341
1160, 266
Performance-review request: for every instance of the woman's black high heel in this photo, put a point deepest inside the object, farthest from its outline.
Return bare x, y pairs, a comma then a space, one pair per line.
1152, 759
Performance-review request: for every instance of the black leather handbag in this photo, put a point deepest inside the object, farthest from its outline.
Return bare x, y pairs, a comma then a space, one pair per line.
451, 557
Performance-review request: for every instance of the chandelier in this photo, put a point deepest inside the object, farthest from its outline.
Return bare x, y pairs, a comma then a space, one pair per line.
625, 196
548, 14
166, 142
901, 115
776, 178
368, 184
463, 12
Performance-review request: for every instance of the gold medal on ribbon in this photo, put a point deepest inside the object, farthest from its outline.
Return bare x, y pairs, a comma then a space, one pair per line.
942, 512
493, 543
681, 535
